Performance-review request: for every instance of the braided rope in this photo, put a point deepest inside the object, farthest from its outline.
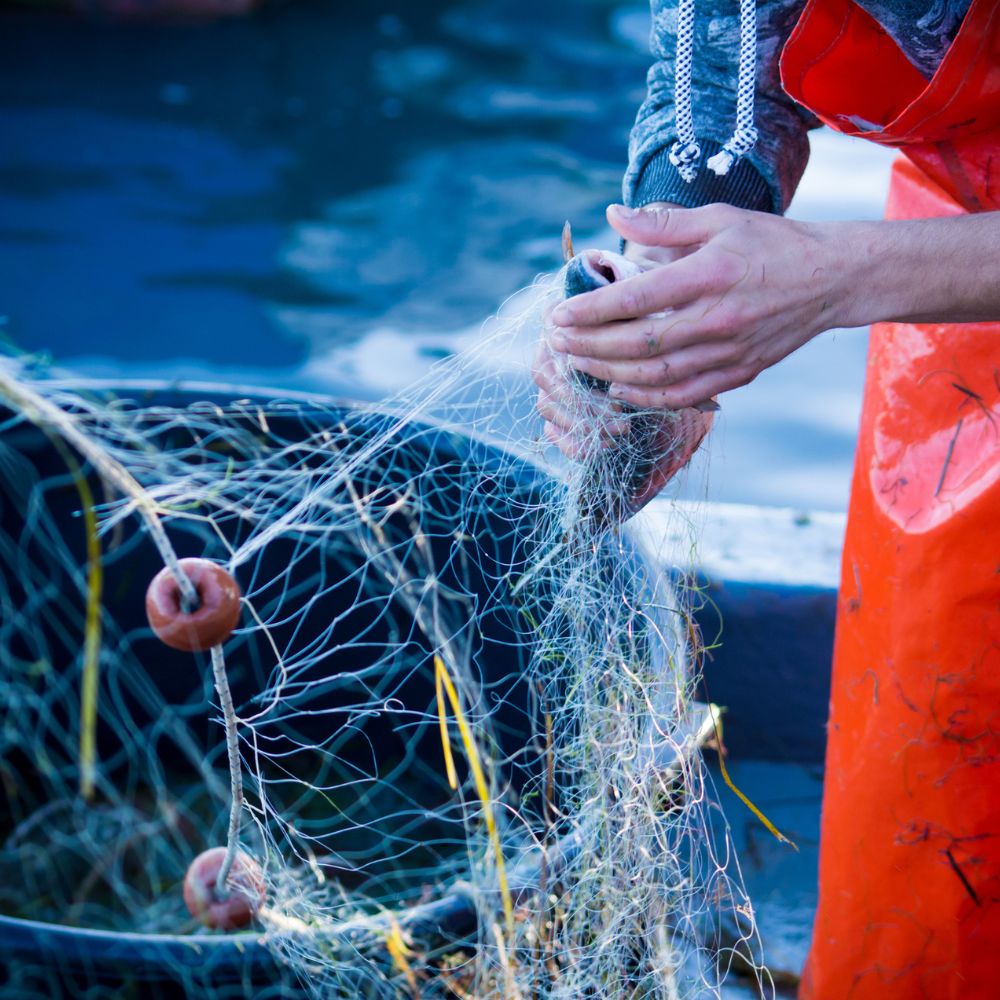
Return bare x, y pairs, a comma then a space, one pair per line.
744, 138
685, 152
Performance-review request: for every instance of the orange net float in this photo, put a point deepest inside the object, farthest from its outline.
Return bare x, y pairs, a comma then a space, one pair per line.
229, 911
200, 628
223, 887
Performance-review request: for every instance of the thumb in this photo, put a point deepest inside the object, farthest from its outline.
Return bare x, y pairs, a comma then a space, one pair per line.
664, 226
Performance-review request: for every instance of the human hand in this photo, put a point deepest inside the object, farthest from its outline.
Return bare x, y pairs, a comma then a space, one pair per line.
749, 290
579, 418
630, 454
652, 256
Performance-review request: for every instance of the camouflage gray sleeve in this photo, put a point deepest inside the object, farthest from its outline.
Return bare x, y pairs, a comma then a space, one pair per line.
766, 178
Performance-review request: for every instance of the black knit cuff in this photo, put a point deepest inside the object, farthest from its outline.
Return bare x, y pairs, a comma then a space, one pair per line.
743, 186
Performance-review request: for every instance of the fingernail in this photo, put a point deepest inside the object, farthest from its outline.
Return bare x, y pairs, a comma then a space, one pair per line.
623, 211
558, 342
708, 406
561, 316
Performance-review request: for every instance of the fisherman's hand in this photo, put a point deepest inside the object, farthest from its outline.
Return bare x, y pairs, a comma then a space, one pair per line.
652, 256
577, 419
749, 289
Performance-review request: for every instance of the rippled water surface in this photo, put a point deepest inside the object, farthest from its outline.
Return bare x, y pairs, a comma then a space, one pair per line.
334, 196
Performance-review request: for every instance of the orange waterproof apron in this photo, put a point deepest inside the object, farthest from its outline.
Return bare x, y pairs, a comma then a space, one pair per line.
909, 902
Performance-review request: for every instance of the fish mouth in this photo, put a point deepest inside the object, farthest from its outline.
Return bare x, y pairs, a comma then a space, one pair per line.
598, 269
620, 481
595, 269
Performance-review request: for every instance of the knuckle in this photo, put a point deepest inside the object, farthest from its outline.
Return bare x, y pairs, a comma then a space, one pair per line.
634, 300
715, 322
712, 213
678, 327
722, 214
731, 353
649, 339
629, 301
676, 371
635, 344
733, 214
743, 316
728, 269
649, 374
727, 318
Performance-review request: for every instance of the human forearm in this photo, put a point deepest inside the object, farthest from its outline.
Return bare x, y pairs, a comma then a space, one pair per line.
747, 288
926, 270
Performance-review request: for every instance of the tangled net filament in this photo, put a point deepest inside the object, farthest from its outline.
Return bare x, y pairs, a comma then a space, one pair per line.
465, 717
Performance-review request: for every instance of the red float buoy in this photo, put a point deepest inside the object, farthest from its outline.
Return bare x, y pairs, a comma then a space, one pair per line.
245, 890
200, 628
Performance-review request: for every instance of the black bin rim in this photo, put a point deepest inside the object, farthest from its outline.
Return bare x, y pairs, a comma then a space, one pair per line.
229, 957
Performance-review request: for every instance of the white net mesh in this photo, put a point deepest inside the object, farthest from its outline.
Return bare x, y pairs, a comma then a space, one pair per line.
462, 699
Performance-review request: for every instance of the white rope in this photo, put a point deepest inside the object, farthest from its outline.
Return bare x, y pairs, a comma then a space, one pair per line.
745, 137
235, 769
685, 152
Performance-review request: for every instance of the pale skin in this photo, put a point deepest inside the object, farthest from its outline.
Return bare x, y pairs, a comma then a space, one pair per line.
731, 292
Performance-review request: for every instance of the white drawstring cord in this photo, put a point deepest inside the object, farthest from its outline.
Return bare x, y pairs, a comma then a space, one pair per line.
745, 137
685, 152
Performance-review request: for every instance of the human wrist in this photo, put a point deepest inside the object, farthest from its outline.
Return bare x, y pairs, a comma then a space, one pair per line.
907, 271
938, 270
860, 273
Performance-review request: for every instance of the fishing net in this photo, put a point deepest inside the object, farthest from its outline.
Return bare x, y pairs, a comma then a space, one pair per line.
450, 749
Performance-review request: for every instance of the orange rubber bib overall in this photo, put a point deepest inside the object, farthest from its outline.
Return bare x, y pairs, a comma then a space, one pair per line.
909, 902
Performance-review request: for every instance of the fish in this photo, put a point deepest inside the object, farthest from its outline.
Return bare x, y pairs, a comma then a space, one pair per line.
620, 480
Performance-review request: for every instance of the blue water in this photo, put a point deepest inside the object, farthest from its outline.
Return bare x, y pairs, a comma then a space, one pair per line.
334, 196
